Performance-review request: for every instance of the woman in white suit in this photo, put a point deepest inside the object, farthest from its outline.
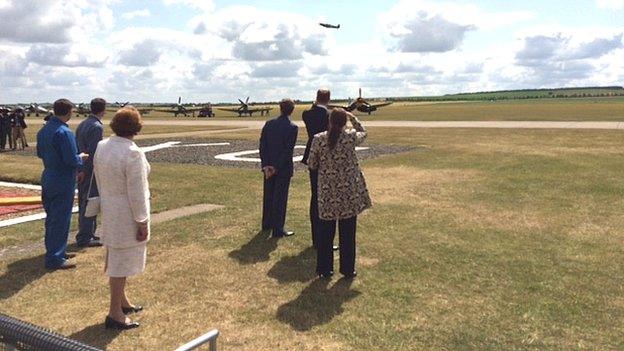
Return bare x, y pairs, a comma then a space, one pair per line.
121, 172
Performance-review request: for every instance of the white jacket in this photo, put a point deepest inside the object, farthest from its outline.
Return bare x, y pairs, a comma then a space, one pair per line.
121, 172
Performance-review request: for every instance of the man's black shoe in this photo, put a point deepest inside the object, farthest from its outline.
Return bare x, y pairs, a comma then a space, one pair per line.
283, 234
335, 248
326, 275
90, 243
350, 275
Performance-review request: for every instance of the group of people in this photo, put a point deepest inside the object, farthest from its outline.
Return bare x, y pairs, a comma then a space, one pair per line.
337, 185
12, 125
112, 179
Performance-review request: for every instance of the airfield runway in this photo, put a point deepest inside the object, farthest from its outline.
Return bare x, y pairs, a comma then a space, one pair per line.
255, 124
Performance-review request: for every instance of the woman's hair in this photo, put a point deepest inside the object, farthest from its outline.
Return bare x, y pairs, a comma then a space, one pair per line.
127, 122
337, 120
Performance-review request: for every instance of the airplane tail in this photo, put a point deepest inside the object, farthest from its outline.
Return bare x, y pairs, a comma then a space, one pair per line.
179, 100
360, 93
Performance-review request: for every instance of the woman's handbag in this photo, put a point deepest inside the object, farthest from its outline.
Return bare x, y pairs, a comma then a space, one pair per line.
93, 203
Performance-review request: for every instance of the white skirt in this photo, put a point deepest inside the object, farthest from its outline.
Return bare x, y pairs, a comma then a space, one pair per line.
125, 262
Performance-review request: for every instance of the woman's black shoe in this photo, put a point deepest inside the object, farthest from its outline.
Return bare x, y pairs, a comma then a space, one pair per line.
132, 309
110, 323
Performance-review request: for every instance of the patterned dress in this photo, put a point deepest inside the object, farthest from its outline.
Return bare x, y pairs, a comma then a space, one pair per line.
342, 191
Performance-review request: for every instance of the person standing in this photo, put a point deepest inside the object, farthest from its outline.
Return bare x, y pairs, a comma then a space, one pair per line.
342, 192
122, 171
88, 134
5, 128
56, 146
316, 120
277, 143
19, 124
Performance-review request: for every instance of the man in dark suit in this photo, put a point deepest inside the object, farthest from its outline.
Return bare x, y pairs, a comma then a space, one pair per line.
277, 143
88, 135
316, 120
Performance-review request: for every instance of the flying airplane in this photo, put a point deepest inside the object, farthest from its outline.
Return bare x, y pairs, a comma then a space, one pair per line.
143, 111
331, 26
36, 109
362, 105
244, 109
179, 109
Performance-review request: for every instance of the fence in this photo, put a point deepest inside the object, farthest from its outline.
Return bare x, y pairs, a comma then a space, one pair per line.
24, 336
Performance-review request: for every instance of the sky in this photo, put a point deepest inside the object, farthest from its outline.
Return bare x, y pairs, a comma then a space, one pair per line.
220, 51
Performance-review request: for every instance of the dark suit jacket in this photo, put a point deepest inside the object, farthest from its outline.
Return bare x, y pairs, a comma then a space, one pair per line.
316, 120
277, 142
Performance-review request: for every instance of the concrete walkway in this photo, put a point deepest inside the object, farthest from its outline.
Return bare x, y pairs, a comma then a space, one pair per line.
393, 124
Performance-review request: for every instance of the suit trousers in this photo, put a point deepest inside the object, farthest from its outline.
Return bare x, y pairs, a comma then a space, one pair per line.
58, 205
325, 253
86, 226
314, 216
4, 135
274, 204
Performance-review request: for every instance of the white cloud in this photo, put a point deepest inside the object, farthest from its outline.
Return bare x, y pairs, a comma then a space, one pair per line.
65, 55
610, 4
204, 5
136, 14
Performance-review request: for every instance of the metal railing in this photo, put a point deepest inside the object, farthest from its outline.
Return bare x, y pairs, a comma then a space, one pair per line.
210, 337
19, 335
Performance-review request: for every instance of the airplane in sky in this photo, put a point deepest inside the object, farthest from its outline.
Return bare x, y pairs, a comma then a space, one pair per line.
179, 109
244, 109
331, 26
362, 105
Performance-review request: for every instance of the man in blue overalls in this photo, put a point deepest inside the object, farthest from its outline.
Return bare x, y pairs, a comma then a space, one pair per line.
56, 146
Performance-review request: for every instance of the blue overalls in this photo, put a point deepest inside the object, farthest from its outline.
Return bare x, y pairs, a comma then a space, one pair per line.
56, 146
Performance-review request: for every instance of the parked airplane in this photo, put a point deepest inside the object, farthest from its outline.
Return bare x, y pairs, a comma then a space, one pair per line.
179, 109
142, 110
362, 105
82, 109
244, 109
36, 109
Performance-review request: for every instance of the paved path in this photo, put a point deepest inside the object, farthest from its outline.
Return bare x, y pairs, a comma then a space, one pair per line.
161, 217
403, 124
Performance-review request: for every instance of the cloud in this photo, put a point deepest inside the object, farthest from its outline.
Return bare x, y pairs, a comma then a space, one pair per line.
610, 4
63, 55
203, 5
27, 21
277, 69
135, 14
427, 33
260, 35
144, 53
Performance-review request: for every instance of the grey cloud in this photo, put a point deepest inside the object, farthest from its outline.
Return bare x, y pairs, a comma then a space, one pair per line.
23, 21
540, 47
431, 34
12, 65
145, 53
203, 71
286, 44
277, 70
200, 28
596, 48
57, 55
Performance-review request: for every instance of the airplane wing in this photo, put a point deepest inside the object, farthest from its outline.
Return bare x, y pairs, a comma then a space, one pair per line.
228, 109
382, 104
260, 109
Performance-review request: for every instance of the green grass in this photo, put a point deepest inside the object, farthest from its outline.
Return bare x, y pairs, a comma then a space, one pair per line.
478, 240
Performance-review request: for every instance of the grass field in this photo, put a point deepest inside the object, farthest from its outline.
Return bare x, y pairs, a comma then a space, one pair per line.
478, 240
586, 109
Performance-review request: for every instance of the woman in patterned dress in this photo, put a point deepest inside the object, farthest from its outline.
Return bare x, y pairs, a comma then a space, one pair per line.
342, 192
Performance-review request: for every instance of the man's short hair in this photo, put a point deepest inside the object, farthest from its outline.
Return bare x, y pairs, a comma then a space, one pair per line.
323, 96
287, 106
98, 105
127, 122
62, 107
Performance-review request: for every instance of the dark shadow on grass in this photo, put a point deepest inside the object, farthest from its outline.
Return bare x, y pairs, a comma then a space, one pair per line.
317, 304
96, 335
258, 249
298, 268
21, 273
